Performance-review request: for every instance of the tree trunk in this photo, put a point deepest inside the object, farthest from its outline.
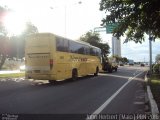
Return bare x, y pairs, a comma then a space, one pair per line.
2, 60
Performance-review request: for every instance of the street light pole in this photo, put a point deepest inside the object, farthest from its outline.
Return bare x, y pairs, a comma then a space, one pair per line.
65, 17
65, 13
65, 20
150, 52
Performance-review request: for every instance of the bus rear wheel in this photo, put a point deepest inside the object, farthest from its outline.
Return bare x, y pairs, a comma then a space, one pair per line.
97, 71
74, 74
110, 69
52, 81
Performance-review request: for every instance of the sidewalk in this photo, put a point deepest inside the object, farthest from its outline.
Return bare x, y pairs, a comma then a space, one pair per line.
9, 71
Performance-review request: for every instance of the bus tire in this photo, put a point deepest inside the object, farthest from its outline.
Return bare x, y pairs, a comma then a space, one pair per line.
52, 81
97, 71
74, 74
110, 69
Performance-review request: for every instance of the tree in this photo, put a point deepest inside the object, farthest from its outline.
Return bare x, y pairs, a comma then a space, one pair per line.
4, 49
10, 47
3, 37
94, 39
118, 58
30, 29
135, 17
91, 37
124, 60
18, 42
158, 58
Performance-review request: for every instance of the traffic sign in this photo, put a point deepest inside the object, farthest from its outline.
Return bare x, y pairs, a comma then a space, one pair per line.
99, 29
110, 27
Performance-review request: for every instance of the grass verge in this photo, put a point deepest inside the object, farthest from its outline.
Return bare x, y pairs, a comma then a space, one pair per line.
155, 88
12, 75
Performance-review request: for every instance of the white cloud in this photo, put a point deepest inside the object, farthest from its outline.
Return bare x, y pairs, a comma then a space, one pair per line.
140, 52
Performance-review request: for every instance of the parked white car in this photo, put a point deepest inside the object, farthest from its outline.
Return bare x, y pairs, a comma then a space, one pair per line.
22, 68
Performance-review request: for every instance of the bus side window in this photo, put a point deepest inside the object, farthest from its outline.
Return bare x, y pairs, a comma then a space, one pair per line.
81, 49
87, 50
99, 52
59, 44
73, 47
66, 45
93, 51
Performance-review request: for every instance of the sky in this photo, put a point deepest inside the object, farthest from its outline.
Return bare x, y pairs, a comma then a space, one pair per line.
71, 19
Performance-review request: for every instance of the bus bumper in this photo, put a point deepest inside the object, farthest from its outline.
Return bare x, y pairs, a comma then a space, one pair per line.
41, 76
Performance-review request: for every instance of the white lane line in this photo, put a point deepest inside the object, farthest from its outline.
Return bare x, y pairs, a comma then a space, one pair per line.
106, 103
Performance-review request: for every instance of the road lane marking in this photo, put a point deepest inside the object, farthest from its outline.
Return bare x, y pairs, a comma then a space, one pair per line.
137, 71
106, 103
139, 103
126, 77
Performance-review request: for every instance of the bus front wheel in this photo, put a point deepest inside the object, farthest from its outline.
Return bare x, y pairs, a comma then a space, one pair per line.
74, 74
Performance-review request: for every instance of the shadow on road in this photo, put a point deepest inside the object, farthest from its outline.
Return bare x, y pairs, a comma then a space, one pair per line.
17, 83
63, 82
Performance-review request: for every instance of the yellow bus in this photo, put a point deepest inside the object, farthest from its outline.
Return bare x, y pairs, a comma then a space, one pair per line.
51, 57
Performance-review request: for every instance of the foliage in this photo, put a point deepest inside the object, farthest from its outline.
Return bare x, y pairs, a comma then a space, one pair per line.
4, 49
124, 60
94, 39
30, 29
18, 42
13, 47
156, 68
155, 88
135, 17
91, 37
120, 59
2, 14
158, 58
3, 37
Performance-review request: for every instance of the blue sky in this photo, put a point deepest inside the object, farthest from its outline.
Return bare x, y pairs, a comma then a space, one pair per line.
135, 51
70, 19
140, 52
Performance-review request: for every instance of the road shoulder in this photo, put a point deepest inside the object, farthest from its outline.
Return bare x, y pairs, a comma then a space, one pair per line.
152, 103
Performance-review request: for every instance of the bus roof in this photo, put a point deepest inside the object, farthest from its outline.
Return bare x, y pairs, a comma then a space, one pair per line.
47, 33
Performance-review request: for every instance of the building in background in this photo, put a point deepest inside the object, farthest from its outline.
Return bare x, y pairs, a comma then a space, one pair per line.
116, 46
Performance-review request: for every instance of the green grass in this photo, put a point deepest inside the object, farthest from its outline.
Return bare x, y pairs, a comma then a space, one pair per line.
12, 75
155, 88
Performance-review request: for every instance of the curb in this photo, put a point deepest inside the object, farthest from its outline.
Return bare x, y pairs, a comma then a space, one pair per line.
152, 102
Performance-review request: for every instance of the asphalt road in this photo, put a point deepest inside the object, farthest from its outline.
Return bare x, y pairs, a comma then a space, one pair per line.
119, 92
